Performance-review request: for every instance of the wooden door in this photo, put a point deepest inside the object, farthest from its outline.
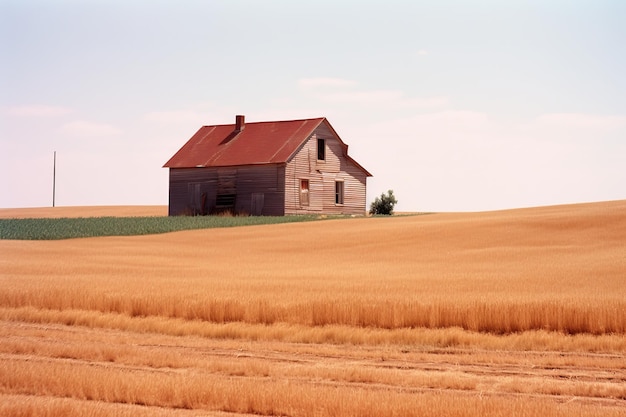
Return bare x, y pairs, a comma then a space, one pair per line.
256, 206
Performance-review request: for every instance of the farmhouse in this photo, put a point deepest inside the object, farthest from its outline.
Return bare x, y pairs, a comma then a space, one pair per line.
266, 168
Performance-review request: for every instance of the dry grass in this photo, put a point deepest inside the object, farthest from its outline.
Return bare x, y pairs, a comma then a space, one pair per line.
540, 340
446, 314
491, 272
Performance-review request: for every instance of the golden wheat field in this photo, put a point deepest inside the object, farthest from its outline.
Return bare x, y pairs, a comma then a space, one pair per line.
508, 313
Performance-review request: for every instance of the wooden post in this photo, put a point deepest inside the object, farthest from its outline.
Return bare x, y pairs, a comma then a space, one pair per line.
54, 178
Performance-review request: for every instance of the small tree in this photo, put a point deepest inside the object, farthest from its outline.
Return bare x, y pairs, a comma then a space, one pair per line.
384, 204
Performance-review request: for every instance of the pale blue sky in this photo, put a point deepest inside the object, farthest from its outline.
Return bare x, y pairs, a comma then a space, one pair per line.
455, 105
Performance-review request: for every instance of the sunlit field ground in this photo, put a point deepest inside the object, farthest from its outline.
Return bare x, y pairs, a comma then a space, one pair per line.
518, 312
88, 211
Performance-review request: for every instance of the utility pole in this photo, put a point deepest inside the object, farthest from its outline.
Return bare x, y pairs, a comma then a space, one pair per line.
54, 178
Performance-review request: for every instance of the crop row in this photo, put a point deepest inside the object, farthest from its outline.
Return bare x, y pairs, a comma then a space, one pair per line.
69, 228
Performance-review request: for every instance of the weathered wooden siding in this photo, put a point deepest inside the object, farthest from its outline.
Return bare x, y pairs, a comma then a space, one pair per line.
303, 166
354, 184
322, 176
261, 190
258, 189
186, 188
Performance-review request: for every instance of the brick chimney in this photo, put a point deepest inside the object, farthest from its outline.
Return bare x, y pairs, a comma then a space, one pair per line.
240, 123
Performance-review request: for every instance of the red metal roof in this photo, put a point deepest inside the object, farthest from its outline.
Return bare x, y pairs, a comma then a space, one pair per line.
256, 143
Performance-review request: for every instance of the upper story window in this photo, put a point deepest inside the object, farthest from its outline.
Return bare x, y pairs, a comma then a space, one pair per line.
321, 149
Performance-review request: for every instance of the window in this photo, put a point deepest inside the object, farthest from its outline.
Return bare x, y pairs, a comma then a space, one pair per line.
321, 149
304, 192
338, 192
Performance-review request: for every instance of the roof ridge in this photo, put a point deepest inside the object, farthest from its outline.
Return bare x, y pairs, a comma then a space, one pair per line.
268, 121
